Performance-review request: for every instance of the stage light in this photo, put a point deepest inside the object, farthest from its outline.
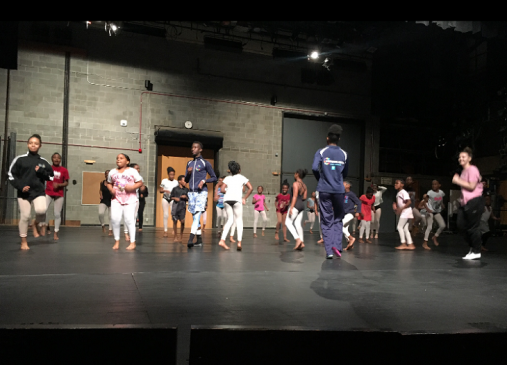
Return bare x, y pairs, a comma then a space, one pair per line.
111, 27
88, 23
314, 55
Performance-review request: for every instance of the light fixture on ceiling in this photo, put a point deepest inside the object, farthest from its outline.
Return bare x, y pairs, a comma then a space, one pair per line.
111, 28
314, 55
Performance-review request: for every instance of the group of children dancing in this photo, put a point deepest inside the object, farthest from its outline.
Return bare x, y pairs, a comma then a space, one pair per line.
123, 193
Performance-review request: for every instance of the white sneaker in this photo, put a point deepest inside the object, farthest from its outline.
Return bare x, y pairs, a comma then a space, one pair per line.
472, 256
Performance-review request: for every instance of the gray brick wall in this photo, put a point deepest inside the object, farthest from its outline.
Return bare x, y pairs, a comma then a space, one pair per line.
106, 86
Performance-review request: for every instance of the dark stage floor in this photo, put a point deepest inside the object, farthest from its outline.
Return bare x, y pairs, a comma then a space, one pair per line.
81, 280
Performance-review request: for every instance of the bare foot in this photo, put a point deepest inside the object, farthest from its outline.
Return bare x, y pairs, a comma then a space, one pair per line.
127, 237
263, 232
435, 242
165, 234
175, 238
42, 231
132, 246
368, 241
239, 246
320, 241
410, 247
116, 245
222, 244
483, 248
276, 236
35, 227
103, 229
403, 246
140, 229
48, 231
311, 231
376, 235
285, 239
231, 238
24, 244
351, 243
255, 235
110, 232
361, 240
302, 246
298, 243
425, 245
55, 236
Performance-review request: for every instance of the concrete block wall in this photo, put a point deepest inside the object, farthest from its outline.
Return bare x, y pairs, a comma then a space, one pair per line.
215, 90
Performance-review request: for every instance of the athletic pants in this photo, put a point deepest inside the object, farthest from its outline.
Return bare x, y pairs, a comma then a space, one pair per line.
405, 237
429, 224
331, 212
234, 216
167, 208
262, 213
365, 227
469, 219
349, 217
311, 218
57, 206
102, 211
128, 212
140, 212
375, 220
25, 207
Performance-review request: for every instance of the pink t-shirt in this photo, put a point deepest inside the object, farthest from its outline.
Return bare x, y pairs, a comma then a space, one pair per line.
401, 197
119, 180
259, 206
469, 175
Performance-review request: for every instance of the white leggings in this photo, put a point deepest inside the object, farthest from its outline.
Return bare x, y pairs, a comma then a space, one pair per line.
128, 211
429, 224
262, 213
221, 217
234, 216
403, 230
57, 206
25, 207
311, 218
293, 223
349, 217
365, 226
375, 220
135, 219
417, 218
167, 208
102, 211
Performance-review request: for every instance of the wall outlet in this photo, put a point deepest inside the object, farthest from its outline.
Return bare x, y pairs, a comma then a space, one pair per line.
123, 123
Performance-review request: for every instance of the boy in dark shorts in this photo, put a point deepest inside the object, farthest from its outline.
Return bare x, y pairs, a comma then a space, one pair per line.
179, 195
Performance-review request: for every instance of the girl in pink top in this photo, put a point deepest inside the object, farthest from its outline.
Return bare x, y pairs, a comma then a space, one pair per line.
259, 200
367, 201
123, 182
472, 204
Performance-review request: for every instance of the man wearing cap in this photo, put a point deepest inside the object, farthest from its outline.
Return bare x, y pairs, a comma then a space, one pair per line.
330, 167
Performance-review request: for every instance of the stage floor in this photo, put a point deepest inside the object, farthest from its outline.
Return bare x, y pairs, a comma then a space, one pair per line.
81, 280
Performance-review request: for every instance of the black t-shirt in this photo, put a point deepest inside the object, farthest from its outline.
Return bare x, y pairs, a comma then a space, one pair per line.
176, 193
106, 194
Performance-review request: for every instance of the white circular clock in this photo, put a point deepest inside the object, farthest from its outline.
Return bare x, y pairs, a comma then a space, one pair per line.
188, 124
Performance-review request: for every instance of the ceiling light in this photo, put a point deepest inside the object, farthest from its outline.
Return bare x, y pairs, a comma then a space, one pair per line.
314, 55
111, 27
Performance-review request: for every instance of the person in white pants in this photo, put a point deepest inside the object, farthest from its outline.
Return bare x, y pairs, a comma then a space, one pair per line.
55, 192
259, 200
402, 207
234, 201
166, 186
377, 210
310, 211
351, 208
123, 183
435, 206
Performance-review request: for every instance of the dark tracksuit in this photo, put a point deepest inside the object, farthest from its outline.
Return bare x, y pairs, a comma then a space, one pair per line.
330, 167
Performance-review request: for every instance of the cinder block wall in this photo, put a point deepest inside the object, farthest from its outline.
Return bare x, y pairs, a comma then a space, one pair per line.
216, 90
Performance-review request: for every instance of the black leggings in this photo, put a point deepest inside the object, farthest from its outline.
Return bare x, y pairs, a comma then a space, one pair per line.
142, 203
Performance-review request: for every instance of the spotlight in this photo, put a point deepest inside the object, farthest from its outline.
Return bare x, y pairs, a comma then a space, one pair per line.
327, 63
314, 55
111, 27
88, 23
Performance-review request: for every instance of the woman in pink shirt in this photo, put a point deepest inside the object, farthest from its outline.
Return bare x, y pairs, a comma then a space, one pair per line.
123, 182
259, 200
472, 204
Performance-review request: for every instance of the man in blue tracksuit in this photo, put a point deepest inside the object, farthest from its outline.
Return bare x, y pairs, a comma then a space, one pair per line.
330, 167
197, 170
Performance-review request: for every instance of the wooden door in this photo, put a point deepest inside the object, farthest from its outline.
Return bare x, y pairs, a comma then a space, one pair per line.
177, 158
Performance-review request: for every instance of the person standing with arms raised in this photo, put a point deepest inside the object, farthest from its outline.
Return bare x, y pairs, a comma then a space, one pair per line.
197, 170
330, 167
